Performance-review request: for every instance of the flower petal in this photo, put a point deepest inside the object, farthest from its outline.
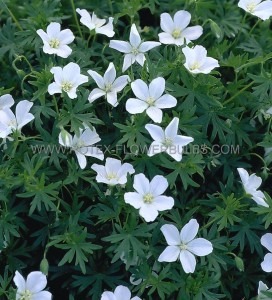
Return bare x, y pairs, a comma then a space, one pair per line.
182, 19
122, 292
97, 78
192, 33
155, 131
166, 38
141, 184
134, 37
188, 261
95, 94
120, 46
146, 46
189, 231
158, 185
136, 106
36, 282
163, 203
200, 247
108, 296
140, 89
19, 281
167, 23
106, 29
148, 212
155, 148
129, 59
6, 101
54, 88
44, 295
22, 113
120, 83
170, 254
81, 160
53, 29
112, 99
166, 101
134, 199
140, 58
266, 265
171, 234
266, 241
172, 129
154, 113
157, 87
110, 74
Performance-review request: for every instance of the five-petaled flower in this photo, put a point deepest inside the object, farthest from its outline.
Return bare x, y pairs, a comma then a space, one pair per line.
108, 85
94, 23
251, 184
150, 99
266, 241
67, 80
82, 144
197, 60
10, 122
184, 245
113, 172
148, 196
176, 31
55, 41
32, 288
167, 140
134, 49
258, 8
120, 293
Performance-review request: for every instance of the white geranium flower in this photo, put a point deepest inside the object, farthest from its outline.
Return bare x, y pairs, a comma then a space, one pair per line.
176, 31
184, 245
120, 293
6, 101
82, 145
197, 60
258, 8
55, 41
150, 98
108, 85
113, 172
94, 23
266, 241
10, 122
263, 288
67, 79
167, 140
148, 196
31, 288
134, 49
251, 184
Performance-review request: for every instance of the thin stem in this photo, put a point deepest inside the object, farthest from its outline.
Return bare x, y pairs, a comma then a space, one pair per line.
12, 16
238, 93
75, 16
111, 8
56, 104
254, 26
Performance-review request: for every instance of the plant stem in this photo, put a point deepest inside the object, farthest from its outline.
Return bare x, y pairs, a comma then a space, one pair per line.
254, 26
12, 16
238, 93
75, 16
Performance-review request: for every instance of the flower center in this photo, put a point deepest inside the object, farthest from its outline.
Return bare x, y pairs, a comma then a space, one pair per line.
66, 86
148, 198
176, 33
134, 51
108, 87
251, 7
195, 66
27, 295
111, 176
150, 101
183, 246
12, 123
54, 43
168, 142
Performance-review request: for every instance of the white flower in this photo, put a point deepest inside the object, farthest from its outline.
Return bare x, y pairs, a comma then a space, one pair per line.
258, 8
148, 196
167, 140
269, 111
55, 41
108, 85
263, 288
120, 293
113, 172
251, 184
31, 288
134, 49
10, 122
266, 241
197, 60
150, 98
184, 245
67, 79
94, 23
176, 31
82, 145
6, 101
